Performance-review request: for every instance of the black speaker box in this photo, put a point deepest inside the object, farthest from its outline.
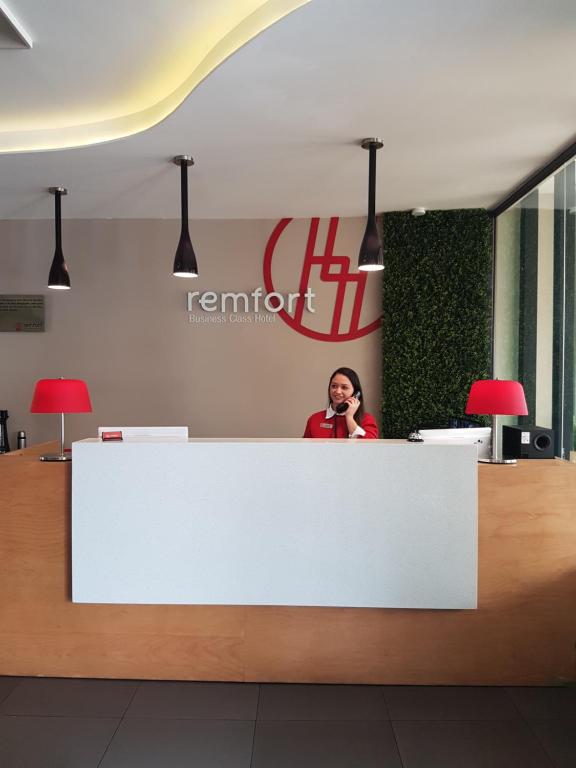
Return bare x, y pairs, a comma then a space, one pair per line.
527, 443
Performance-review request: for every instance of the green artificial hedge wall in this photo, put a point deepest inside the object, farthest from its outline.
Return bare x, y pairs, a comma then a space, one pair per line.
437, 315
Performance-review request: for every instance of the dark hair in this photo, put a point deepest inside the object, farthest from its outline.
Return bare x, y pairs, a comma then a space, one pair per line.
356, 386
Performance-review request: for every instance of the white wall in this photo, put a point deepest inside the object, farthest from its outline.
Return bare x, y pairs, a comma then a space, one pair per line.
124, 329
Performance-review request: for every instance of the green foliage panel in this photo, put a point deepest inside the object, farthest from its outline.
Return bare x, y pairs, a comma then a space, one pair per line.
437, 314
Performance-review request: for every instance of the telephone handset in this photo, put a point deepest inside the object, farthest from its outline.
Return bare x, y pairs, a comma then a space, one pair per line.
343, 407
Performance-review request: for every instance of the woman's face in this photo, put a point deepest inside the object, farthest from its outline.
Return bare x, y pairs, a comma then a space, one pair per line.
340, 389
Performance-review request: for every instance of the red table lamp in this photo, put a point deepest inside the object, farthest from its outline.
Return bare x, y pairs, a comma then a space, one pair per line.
497, 397
60, 396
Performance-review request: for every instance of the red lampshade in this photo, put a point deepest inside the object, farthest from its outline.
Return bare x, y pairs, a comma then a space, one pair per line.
495, 397
61, 396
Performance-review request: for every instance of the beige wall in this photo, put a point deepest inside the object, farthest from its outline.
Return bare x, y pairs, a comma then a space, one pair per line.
124, 329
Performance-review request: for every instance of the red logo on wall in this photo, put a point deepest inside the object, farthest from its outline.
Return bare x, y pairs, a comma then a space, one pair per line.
332, 269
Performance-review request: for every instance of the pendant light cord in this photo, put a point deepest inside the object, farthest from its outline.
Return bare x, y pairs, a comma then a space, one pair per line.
184, 194
58, 221
372, 181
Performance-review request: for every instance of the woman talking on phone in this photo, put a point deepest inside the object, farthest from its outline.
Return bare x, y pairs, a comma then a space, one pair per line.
345, 415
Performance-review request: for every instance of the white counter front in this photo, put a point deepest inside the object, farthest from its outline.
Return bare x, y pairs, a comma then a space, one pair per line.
357, 523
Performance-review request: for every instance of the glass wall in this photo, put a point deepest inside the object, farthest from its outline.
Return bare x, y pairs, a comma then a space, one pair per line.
534, 320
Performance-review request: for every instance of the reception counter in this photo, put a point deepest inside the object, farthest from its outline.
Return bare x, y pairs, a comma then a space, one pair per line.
339, 523
523, 630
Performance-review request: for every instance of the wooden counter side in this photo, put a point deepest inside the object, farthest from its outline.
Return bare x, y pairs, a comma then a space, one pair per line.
523, 632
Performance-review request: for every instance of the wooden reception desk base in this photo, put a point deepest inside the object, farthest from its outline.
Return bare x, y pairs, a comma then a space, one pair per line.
524, 630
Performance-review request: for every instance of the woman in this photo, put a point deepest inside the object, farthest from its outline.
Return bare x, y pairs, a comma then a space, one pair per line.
345, 416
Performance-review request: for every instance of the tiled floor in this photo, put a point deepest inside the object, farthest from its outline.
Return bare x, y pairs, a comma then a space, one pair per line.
52, 723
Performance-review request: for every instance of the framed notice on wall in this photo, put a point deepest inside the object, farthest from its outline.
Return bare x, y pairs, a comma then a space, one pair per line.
21, 312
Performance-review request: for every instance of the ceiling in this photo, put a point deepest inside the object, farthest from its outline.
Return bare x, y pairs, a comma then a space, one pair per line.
272, 98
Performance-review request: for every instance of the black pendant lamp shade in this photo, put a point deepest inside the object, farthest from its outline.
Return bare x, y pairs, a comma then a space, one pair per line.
59, 279
371, 258
185, 260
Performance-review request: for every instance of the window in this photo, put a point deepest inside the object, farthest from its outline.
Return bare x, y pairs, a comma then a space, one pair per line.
534, 312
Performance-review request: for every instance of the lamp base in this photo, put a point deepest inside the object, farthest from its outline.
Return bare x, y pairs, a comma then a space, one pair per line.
56, 457
497, 461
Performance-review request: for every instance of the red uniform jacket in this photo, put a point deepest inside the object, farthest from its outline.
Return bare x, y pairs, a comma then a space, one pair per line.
320, 426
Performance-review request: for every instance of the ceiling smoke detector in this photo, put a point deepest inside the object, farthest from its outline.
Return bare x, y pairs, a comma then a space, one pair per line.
418, 211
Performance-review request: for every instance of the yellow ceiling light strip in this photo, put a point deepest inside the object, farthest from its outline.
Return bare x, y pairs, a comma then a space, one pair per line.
118, 127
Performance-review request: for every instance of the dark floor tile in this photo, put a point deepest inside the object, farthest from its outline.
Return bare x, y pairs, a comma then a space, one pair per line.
321, 702
54, 742
324, 745
558, 737
163, 743
210, 701
7, 685
482, 744
69, 698
415, 702
541, 703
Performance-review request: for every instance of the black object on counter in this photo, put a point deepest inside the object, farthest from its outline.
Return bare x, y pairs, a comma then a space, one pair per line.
4, 444
523, 442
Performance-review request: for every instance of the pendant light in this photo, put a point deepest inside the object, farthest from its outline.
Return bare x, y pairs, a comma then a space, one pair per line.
371, 258
59, 279
185, 260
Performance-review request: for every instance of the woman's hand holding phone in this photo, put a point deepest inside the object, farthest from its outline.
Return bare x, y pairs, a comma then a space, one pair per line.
350, 405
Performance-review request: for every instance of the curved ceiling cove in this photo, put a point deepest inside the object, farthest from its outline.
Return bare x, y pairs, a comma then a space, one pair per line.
208, 45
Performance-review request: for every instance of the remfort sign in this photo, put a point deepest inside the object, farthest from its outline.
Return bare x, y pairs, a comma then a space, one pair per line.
325, 271
210, 301
262, 306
